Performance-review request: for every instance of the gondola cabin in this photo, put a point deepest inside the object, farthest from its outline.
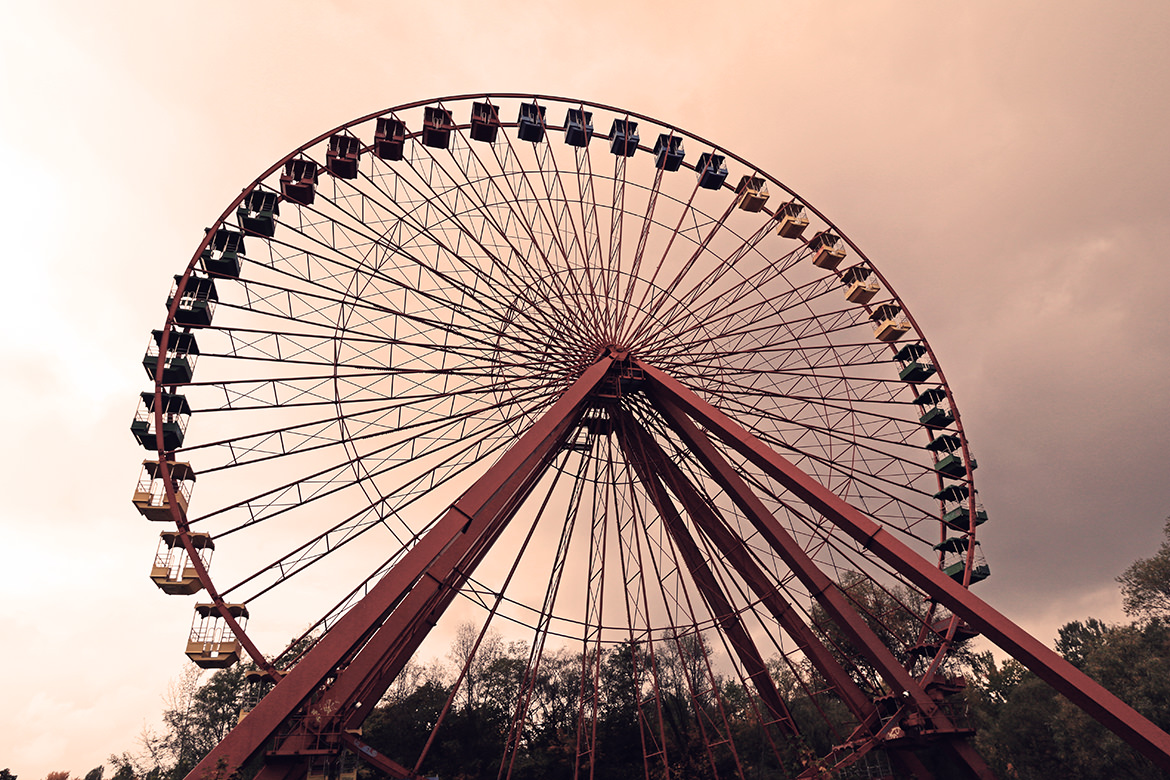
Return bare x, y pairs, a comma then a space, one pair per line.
213, 644
946, 442
485, 122
389, 138
578, 127
711, 171
953, 493
890, 325
343, 155
858, 286
668, 152
178, 365
753, 193
225, 249
196, 301
257, 214
298, 183
257, 683
150, 495
597, 423
955, 564
530, 125
952, 466
826, 251
934, 397
793, 220
963, 629
959, 518
916, 371
623, 137
862, 291
437, 127
936, 417
175, 413
172, 571
911, 351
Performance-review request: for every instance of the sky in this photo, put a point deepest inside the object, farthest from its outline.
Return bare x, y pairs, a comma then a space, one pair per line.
1004, 164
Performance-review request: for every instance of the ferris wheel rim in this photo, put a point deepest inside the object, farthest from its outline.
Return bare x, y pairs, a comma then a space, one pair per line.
171, 326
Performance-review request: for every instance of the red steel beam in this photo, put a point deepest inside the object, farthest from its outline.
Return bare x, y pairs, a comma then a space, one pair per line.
376, 616
820, 586
643, 456
1083, 691
736, 553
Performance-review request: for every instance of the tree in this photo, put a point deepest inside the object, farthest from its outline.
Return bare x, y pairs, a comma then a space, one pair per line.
995, 683
476, 655
1028, 731
1077, 640
400, 728
123, 767
197, 716
899, 617
1145, 585
1134, 663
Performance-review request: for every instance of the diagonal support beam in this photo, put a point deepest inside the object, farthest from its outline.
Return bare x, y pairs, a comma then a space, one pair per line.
732, 547
736, 553
1086, 693
646, 459
375, 629
820, 586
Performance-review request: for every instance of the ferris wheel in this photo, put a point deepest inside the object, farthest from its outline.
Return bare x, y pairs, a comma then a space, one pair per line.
581, 377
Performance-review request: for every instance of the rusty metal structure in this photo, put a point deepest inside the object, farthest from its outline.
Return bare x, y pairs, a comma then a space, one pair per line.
475, 358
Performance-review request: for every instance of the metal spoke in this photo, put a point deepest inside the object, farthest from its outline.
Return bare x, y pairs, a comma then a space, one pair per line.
407, 307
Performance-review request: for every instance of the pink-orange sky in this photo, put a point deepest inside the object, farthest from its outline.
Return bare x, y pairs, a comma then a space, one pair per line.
1005, 164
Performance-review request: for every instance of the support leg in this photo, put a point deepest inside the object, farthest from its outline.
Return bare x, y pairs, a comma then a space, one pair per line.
1087, 694
819, 585
418, 578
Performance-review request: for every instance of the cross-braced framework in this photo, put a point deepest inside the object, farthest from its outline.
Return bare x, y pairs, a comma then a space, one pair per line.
621, 396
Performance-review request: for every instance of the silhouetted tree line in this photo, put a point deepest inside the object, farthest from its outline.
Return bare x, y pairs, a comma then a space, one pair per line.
555, 731
1030, 732
1025, 730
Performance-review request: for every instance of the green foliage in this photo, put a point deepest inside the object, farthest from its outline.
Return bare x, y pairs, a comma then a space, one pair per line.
1076, 640
197, 716
995, 683
1134, 663
1028, 731
401, 728
470, 742
1145, 585
1025, 730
